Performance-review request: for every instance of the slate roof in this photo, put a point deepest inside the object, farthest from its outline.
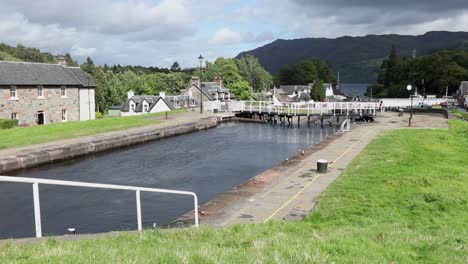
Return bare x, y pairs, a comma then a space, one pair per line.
211, 88
28, 73
290, 89
138, 99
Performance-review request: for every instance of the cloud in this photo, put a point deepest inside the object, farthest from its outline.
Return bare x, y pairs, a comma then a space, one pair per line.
226, 36
82, 52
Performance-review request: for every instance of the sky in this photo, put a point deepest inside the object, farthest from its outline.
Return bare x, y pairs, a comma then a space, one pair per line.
159, 32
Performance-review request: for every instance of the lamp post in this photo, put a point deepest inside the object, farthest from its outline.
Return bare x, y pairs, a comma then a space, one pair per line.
409, 87
200, 59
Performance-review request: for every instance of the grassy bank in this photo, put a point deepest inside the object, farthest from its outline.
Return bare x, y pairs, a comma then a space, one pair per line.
22, 136
460, 114
403, 200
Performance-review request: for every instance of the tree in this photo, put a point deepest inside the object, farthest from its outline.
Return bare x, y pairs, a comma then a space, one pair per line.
226, 69
88, 66
241, 90
70, 61
304, 73
251, 71
318, 91
175, 67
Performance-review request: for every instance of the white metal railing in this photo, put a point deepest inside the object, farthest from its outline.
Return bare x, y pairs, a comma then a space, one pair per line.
37, 206
313, 108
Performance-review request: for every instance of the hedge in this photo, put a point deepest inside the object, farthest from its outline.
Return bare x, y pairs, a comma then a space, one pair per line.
8, 123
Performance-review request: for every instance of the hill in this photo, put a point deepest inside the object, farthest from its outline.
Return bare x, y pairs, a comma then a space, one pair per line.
22, 53
356, 58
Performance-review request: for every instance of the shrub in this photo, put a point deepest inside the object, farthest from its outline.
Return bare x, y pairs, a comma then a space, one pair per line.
99, 115
8, 123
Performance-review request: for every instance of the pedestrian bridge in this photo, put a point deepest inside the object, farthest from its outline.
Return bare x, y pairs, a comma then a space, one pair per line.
296, 109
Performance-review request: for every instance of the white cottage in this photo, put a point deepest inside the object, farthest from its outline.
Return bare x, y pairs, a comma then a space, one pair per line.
145, 104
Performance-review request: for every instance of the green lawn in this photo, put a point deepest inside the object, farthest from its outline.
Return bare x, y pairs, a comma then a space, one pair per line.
460, 114
403, 200
22, 136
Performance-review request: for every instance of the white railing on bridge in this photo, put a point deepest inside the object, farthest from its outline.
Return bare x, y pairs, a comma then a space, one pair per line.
37, 205
315, 108
406, 102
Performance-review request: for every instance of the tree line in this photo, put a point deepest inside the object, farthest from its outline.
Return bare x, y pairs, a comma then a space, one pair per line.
430, 74
242, 76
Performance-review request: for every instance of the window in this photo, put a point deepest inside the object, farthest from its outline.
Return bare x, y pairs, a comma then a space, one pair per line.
132, 107
64, 115
145, 107
63, 91
13, 92
14, 116
40, 91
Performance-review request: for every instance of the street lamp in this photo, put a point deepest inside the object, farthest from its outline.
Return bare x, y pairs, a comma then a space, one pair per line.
200, 59
409, 87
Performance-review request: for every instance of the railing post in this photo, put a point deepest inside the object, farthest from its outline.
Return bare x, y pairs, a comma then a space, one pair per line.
195, 205
37, 210
138, 205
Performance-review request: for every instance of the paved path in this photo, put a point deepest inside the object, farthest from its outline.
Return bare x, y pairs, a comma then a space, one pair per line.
294, 193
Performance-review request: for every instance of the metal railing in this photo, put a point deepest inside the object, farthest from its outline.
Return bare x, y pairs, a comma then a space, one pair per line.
315, 108
37, 206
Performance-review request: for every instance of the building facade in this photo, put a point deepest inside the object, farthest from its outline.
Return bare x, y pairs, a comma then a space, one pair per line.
39, 93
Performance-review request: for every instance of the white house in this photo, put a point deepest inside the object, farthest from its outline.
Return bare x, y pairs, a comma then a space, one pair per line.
145, 104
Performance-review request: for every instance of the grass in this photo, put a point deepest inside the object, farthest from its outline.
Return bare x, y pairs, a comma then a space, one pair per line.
22, 136
460, 114
403, 200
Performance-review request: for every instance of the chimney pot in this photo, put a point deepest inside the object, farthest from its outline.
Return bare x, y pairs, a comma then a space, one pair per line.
61, 60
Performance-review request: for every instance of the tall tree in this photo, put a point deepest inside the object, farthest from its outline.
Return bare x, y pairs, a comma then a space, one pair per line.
88, 66
318, 91
175, 67
251, 71
241, 90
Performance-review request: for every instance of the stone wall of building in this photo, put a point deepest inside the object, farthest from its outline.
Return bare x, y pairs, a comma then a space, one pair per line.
28, 104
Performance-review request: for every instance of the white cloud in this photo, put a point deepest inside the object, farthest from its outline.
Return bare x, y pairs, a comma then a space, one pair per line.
226, 36
82, 52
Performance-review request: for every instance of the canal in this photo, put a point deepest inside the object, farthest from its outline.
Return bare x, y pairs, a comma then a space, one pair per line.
208, 163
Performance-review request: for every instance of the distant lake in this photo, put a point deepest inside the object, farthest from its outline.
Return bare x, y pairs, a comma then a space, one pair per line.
354, 89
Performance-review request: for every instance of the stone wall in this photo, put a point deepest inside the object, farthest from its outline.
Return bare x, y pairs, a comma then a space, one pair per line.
44, 155
28, 104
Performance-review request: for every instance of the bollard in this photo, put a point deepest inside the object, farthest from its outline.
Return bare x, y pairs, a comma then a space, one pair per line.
322, 166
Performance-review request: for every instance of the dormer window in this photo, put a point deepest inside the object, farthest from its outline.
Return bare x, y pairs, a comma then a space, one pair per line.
13, 92
145, 107
40, 92
132, 106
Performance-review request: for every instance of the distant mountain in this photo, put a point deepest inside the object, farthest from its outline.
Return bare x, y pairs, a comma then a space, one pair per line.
356, 58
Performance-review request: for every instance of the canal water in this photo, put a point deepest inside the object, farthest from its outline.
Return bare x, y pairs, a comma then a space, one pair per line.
208, 163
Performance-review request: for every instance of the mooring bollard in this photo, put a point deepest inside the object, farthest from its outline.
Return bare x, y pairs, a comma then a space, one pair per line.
322, 166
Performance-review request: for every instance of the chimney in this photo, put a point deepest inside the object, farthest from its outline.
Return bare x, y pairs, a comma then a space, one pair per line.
130, 94
195, 80
61, 60
218, 81
162, 95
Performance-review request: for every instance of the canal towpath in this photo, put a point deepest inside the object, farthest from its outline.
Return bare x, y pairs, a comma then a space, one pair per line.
291, 192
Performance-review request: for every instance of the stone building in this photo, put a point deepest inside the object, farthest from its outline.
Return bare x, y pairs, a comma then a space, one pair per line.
41, 93
211, 91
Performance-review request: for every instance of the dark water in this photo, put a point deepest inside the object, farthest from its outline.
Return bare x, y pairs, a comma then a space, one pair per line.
209, 163
354, 89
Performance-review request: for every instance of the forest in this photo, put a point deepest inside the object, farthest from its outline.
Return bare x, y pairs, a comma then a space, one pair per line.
430, 74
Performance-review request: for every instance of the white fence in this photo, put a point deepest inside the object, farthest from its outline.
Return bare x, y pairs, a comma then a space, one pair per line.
406, 102
37, 205
322, 108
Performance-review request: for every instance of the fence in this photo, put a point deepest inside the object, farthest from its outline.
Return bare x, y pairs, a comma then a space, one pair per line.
37, 205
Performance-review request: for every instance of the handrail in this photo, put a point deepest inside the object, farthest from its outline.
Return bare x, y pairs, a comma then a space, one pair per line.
37, 207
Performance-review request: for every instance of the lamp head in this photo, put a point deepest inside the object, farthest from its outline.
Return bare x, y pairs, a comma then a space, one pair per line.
200, 58
409, 87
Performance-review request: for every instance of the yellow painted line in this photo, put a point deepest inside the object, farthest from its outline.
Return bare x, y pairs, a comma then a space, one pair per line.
293, 198
307, 186
351, 147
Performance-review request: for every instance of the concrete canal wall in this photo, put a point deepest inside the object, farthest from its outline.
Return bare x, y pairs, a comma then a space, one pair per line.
57, 152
